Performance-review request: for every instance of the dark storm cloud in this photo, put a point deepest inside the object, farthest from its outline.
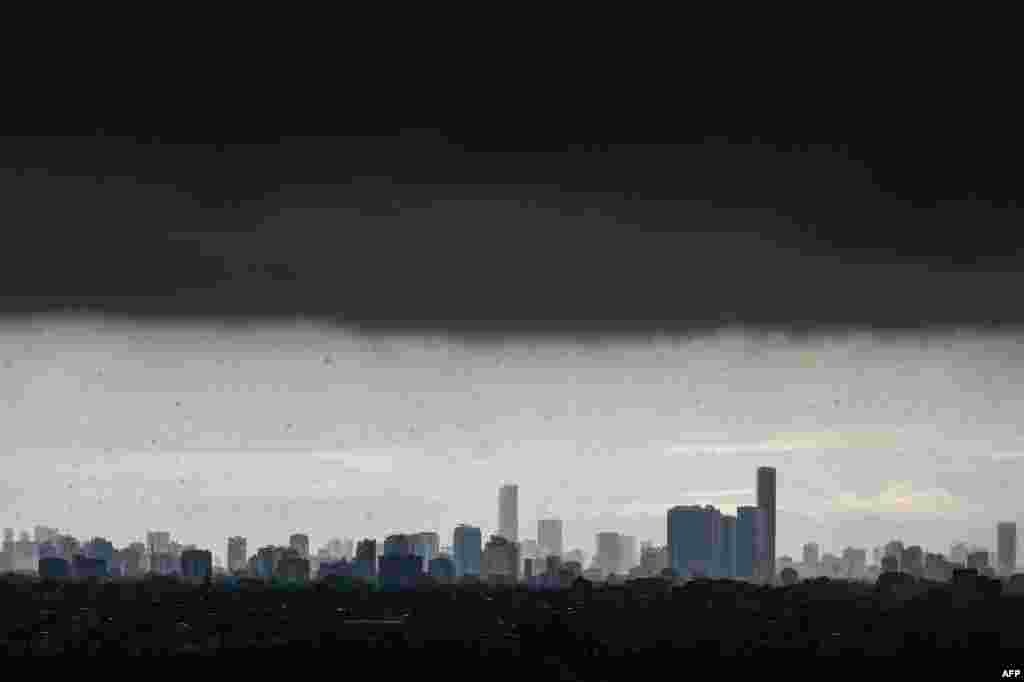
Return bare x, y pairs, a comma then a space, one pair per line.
424, 230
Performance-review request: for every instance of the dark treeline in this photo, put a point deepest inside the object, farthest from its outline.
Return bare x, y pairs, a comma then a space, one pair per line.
589, 631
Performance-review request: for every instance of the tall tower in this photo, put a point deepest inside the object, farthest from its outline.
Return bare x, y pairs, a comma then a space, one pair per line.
1006, 549
237, 553
508, 512
467, 546
549, 536
766, 501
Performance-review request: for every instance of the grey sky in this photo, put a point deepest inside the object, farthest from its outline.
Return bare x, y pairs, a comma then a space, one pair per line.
114, 429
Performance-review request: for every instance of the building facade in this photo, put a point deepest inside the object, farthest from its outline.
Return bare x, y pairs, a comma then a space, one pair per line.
727, 551
693, 539
300, 543
751, 541
500, 560
237, 553
766, 488
608, 558
197, 564
1006, 548
468, 550
508, 512
549, 536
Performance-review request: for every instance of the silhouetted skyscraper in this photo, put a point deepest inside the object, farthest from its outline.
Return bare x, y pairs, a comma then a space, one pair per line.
693, 540
913, 561
549, 536
468, 550
627, 554
196, 563
44, 534
894, 548
398, 545
766, 486
426, 545
508, 512
101, 548
88, 567
54, 567
751, 540
366, 558
978, 560
237, 553
811, 557
300, 543
727, 569
1006, 548
500, 561
609, 553
158, 542
442, 568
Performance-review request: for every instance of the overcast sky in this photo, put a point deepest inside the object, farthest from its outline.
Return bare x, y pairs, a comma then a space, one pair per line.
113, 429
149, 413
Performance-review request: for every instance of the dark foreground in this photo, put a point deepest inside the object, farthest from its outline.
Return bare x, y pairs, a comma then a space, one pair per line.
587, 632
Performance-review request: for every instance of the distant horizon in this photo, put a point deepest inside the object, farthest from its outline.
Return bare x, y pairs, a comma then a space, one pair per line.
208, 429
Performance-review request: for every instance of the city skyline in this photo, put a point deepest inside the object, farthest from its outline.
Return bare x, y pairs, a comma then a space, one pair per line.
188, 428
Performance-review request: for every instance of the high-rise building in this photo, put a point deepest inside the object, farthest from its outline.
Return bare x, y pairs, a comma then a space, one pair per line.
978, 560
831, 565
855, 562
54, 567
101, 548
894, 548
811, 556
196, 563
549, 536
751, 541
237, 553
300, 543
628, 554
912, 561
958, 553
134, 559
1006, 547
766, 487
727, 547
529, 548
608, 558
693, 540
158, 542
508, 512
44, 534
426, 545
366, 558
398, 544
653, 560
293, 567
577, 555
468, 550
442, 568
500, 560
400, 571
88, 567
68, 546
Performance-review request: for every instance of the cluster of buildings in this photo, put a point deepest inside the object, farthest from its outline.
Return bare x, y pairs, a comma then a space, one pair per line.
701, 542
